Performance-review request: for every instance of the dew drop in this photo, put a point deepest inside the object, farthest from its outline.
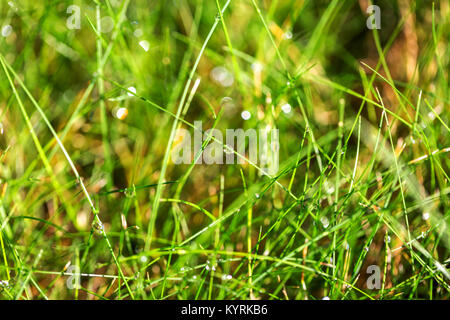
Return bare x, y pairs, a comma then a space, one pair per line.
228, 149
222, 76
6, 30
106, 24
286, 108
246, 115
257, 67
325, 222
138, 33
121, 113
132, 89
288, 35
145, 45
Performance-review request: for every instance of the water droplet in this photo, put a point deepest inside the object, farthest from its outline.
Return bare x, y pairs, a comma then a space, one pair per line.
228, 149
286, 108
257, 195
325, 222
121, 113
366, 248
222, 76
138, 33
6, 30
130, 192
143, 259
145, 45
326, 298
124, 221
98, 227
257, 67
133, 90
1, 128
288, 35
227, 102
106, 24
426, 216
227, 277
246, 115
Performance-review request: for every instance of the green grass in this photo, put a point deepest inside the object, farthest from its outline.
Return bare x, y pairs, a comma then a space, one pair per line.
364, 152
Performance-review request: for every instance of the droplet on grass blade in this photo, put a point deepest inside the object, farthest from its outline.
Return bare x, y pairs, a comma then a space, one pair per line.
228, 149
121, 113
286, 108
222, 76
6, 30
287, 35
138, 33
246, 115
106, 24
4, 284
145, 45
257, 67
325, 222
133, 90
98, 227
124, 221
227, 277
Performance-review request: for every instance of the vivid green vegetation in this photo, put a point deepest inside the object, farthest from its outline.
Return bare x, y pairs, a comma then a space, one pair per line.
88, 120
